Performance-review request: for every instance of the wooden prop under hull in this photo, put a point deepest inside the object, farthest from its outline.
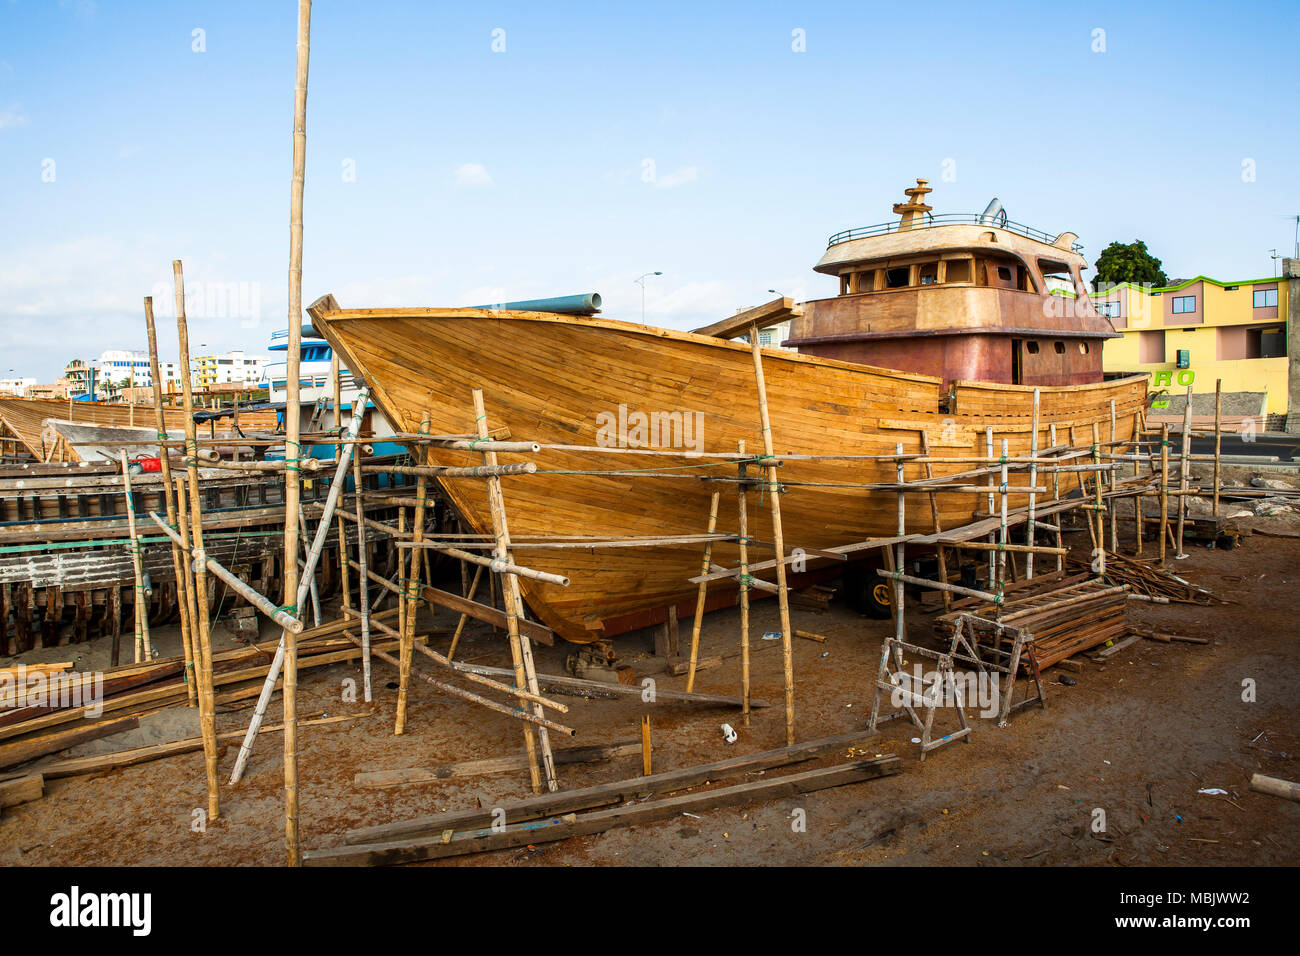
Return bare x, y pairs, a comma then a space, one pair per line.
571, 380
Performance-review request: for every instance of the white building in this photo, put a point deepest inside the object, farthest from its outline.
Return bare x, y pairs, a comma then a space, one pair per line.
116, 368
16, 387
233, 367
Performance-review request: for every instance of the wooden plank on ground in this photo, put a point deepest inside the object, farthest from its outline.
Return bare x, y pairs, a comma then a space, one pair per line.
19, 752
376, 779
21, 789
76, 766
549, 804
432, 846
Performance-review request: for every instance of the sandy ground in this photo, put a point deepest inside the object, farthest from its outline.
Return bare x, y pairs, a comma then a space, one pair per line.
1137, 737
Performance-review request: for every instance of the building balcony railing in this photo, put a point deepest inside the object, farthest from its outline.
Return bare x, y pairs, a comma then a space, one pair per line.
948, 219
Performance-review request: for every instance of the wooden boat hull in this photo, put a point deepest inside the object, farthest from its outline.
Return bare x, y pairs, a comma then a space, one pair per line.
566, 380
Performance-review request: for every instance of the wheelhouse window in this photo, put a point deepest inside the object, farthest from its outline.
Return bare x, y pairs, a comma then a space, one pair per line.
1184, 304
1265, 299
898, 278
865, 281
958, 270
929, 273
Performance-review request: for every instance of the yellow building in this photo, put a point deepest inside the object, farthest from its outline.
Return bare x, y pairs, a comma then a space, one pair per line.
1201, 330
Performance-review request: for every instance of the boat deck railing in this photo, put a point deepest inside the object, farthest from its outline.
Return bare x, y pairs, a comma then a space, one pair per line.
949, 219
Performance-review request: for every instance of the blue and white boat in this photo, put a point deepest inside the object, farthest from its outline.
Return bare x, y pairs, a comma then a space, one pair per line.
316, 395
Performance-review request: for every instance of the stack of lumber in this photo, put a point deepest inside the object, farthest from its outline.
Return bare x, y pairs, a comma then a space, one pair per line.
1153, 581
550, 817
1064, 614
35, 721
816, 598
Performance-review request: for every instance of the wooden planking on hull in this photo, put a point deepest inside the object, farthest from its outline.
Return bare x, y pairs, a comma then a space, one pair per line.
565, 380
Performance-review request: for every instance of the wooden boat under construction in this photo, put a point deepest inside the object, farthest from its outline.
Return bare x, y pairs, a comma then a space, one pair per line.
579, 384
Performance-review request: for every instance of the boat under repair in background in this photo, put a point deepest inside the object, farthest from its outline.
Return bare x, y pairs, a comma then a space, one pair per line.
963, 314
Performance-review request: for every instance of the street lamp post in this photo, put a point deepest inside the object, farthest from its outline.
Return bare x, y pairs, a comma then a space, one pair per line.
641, 281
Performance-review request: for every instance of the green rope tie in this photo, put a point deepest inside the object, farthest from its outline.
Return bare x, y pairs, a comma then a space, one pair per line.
289, 609
291, 464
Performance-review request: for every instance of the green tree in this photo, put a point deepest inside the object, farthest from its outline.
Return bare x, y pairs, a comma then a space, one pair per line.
1128, 262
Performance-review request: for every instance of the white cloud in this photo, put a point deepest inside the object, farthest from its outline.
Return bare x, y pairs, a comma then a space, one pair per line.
472, 174
678, 177
13, 116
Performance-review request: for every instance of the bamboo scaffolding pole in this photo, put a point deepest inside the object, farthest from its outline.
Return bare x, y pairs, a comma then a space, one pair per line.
345, 585
293, 416
1139, 521
489, 682
223, 574
1003, 530
1017, 548
143, 646
563, 543
939, 550
288, 465
183, 599
280, 660
384, 529
187, 569
778, 538
446, 662
529, 719
469, 593
203, 646
989, 596
988, 447
492, 564
452, 471
1100, 549
412, 585
1218, 438
1033, 498
1182, 474
1114, 512
897, 564
537, 745
1164, 487
336, 373
1056, 496
700, 594
363, 558
742, 527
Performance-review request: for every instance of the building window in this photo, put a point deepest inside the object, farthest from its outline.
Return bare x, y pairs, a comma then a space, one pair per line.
1265, 299
1184, 304
1267, 342
1110, 310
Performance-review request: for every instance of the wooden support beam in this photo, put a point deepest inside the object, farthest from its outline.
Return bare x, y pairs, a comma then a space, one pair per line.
598, 821
602, 794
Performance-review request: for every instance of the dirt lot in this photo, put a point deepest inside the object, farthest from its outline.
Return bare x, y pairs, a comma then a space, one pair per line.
1138, 736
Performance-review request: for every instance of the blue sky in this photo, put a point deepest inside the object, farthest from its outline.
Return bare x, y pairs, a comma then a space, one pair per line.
482, 175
